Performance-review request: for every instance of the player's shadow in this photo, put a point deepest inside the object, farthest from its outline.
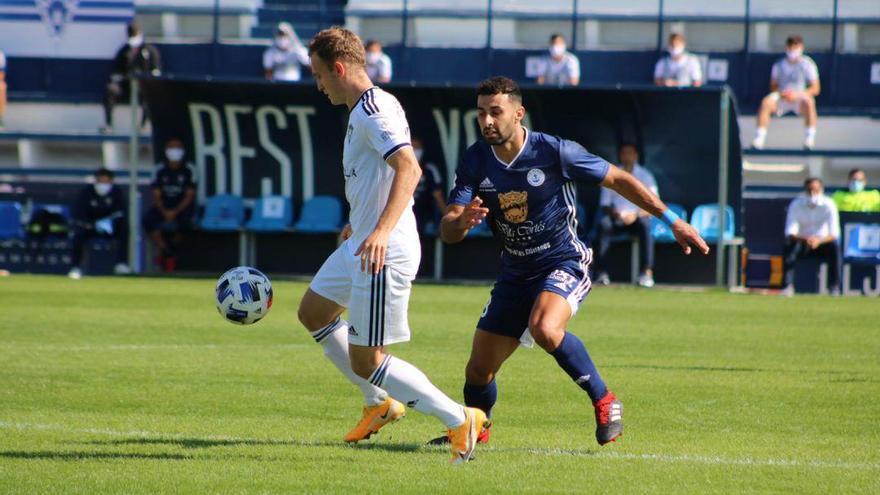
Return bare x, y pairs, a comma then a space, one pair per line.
204, 443
78, 456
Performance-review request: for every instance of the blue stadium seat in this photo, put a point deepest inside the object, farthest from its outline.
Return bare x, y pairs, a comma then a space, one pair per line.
660, 231
705, 220
862, 243
271, 214
223, 212
321, 214
10, 220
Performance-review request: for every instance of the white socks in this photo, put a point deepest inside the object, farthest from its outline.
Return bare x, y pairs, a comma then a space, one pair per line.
409, 385
334, 339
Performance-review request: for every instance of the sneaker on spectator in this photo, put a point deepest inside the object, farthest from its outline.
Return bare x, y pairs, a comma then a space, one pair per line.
603, 279
646, 280
121, 269
75, 273
788, 291
758, 142
809, 142
106, 129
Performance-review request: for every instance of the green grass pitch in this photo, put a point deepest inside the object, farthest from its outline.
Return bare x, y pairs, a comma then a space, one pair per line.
136, 385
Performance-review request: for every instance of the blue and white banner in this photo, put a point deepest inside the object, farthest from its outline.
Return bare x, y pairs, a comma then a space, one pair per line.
64, 28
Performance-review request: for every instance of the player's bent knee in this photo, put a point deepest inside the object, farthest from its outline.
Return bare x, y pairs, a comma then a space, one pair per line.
476, 373
546, 335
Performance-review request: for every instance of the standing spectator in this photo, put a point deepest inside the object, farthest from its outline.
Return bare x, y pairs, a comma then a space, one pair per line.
679, 68
429, 199
561, 68
623, 217
132, 59
857, 198
378, 63
2, 88
100, 211
282, 60
794, 86
174, 189
812, 229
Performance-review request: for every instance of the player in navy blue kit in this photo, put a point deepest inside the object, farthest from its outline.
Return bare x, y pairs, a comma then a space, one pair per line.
525, 181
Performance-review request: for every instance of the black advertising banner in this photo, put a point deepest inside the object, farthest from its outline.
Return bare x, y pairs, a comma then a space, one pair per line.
252, 138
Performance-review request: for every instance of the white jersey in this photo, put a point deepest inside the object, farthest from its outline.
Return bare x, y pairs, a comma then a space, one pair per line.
561, 72
685, 70
377, 128
285, 64
804, 221
2, 62
381, 70
794, 75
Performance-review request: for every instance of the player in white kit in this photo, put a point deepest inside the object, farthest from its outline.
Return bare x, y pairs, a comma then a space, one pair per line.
371, 272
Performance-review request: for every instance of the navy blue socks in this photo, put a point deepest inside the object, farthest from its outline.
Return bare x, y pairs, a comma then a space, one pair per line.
481, 396
572, 356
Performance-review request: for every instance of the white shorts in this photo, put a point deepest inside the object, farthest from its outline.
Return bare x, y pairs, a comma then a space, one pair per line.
377, 304
783, 106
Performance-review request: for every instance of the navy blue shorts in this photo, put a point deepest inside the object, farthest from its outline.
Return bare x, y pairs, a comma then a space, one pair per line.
510, 305
153, 220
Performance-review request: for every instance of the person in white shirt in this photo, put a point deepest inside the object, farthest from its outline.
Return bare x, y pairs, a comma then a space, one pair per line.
812, 230
623, 217
370, 274
2, 87
283, 60
561, 67
680, 68
794, 86
378, 63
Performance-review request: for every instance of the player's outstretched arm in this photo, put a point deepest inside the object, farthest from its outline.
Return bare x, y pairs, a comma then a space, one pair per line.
630, 188
406, 178
459, 219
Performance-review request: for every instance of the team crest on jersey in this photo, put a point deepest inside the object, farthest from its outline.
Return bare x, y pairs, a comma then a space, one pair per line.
515, 205
535, 177
562, 280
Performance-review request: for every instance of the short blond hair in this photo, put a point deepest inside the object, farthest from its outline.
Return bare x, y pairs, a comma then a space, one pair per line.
338, 44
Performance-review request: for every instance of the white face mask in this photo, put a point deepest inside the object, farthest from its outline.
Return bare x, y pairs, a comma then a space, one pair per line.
676, 50
856, 186
419, 153
174, 154
794, 53
813, 199
282, 42
373, 57
136, 41
557, 50
103, 188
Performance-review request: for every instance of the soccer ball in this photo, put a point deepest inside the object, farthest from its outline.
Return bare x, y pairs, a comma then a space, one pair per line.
244, 295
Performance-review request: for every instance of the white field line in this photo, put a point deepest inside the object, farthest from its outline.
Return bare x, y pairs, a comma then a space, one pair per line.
660, 458
142, 347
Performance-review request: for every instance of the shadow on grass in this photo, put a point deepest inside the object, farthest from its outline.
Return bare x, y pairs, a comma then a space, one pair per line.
204, 443
79, 456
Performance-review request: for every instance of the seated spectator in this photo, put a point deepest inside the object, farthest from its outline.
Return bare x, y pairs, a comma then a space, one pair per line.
857, 198
622, 217
282, 60
378, 63
100, 211
2, 88
679, 68
812, 230
429, 198
561, 67
174, 189
133, 58
794, 86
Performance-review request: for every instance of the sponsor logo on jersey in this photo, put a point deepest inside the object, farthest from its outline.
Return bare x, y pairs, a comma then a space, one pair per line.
562, 280
535, 177
515, 205
352, 331
349, 133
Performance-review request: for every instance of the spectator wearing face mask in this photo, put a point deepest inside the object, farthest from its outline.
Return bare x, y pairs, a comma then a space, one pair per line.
857, 198
561, 68
282, 60
174, 190
378, 63
429, 198
794, 86
99, 211
2, 88
133, 59
679, 68
812, 230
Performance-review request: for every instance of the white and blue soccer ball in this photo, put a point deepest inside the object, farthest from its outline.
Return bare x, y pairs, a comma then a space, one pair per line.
243, 295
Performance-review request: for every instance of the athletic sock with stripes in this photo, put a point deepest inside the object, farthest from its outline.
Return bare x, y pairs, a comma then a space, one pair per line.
572, 356
334, 339
409, 385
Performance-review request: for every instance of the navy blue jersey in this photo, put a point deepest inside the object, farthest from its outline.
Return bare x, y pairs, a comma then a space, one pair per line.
173, 183
91, 206
532, 201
